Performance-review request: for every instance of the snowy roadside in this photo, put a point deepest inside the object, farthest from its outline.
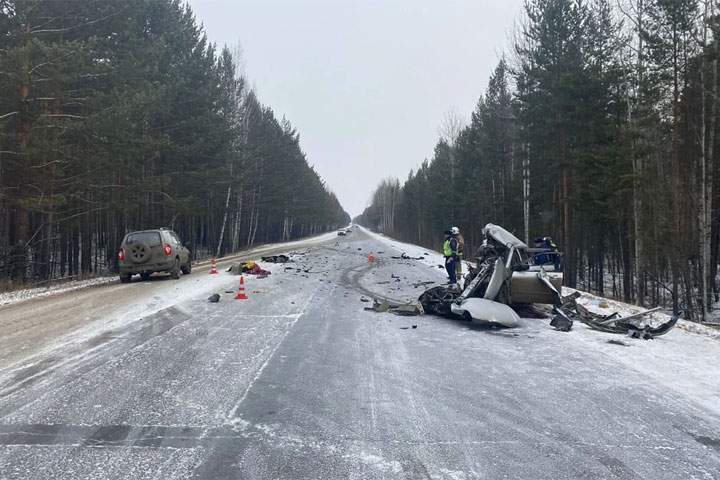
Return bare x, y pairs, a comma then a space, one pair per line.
430, 258
17, 296
683, 361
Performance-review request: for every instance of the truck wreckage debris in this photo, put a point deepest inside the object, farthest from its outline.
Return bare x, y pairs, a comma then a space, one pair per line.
408, 309
635, 326
507, 274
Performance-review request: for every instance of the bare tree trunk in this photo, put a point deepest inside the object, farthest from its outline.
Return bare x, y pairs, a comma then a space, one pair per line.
224, 222
676, 182
707, 149
238, 219
637, 171
526, 194
566, 229
709, 194
22, 215
702, 191
253, 229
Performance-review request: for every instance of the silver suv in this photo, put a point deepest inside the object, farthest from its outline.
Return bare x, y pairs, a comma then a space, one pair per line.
149, 251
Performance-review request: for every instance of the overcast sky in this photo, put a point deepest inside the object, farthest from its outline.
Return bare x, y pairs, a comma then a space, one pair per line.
366, 83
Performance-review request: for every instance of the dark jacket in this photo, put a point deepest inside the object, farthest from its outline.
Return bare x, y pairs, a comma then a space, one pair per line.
544, 259
453, 247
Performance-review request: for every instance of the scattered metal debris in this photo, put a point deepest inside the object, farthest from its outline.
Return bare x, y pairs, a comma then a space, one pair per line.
408, 309
276, 259
214, 298
437, 300
561, 322
635, 326
405, 256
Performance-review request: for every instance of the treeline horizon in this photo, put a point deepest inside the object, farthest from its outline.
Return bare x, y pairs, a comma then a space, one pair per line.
120, 116
598, 128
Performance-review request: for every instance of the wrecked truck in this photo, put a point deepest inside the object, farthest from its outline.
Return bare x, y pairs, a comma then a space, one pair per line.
505, 274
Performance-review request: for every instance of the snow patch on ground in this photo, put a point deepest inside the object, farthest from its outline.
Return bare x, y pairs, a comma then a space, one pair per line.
375, 462
17, 296
684, 360
307, 242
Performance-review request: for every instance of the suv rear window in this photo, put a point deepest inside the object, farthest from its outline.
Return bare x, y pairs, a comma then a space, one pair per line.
151, 238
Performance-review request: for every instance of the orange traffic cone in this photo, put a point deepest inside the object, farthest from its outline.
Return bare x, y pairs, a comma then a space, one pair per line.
241, 290
213, 270
371, 258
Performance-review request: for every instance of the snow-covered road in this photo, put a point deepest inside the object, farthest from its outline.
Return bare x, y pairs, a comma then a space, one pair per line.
149, 380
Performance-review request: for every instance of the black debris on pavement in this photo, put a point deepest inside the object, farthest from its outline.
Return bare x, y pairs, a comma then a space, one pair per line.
561, 323
276, 259
405, 256
214, 298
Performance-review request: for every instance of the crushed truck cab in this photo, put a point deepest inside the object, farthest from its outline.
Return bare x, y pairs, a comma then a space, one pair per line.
505, 274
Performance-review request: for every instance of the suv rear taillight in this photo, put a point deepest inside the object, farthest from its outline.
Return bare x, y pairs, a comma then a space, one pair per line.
168, 250
121, 254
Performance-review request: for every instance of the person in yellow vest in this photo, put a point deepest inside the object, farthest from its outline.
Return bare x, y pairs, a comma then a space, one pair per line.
460, 248
450, 252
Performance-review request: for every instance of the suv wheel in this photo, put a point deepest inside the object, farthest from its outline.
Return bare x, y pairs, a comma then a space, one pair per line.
175, 272
125, 277
187, 268
140, 252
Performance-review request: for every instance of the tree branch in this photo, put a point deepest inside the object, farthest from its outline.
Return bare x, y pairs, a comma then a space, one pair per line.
2, 117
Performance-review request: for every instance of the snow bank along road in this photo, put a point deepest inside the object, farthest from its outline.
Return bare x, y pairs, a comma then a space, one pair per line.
149, 380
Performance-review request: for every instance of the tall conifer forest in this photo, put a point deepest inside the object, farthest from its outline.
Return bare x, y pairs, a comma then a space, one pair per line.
120, 115
598, 128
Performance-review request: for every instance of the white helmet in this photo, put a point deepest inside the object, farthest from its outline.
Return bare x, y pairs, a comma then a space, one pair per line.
455, 230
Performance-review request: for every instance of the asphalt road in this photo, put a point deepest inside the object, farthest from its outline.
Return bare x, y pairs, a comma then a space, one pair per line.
149, 380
